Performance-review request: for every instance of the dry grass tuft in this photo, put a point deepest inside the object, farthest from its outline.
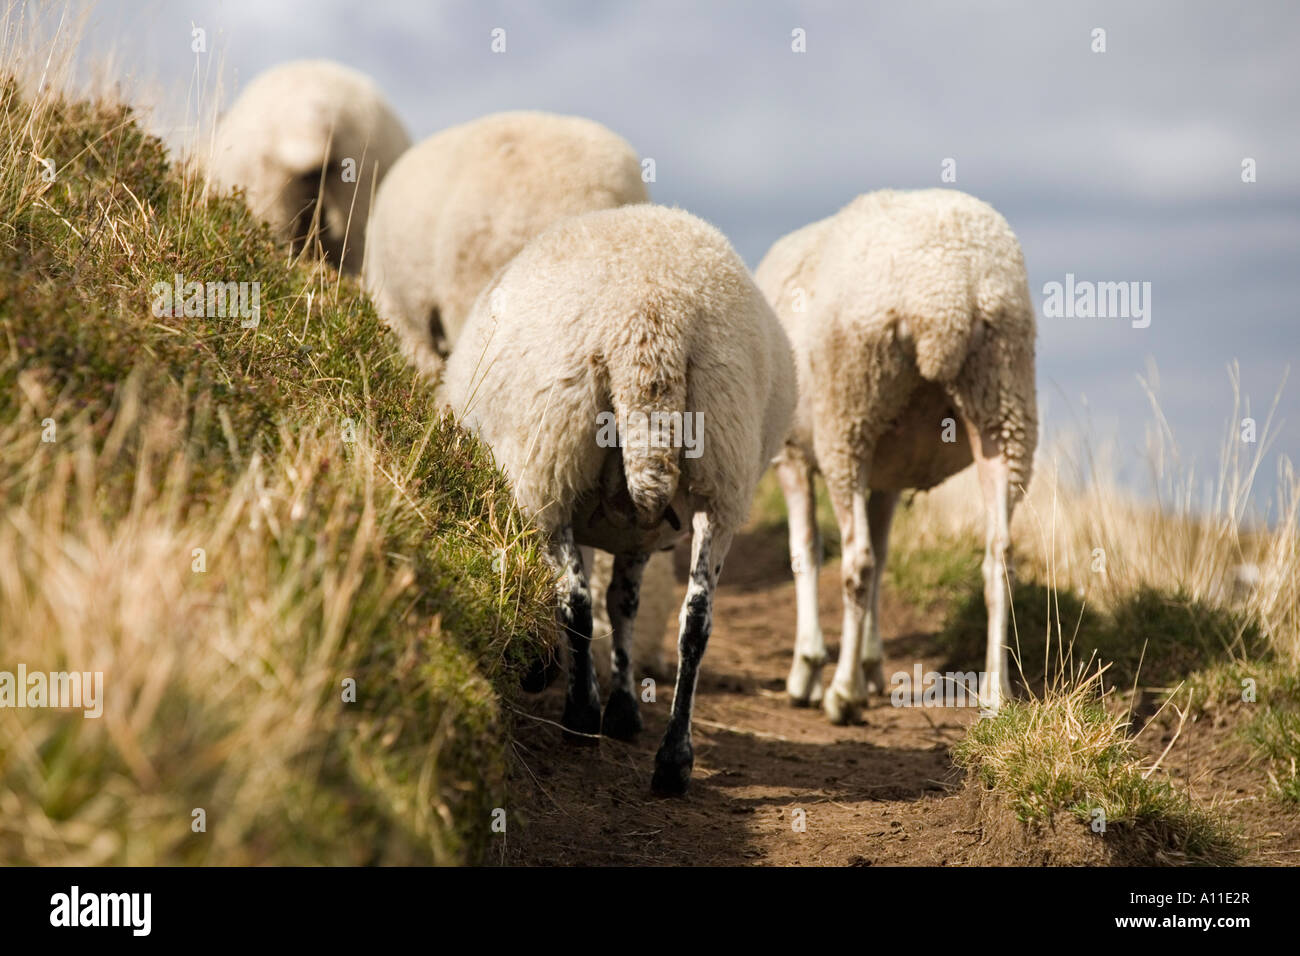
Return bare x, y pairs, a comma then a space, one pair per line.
1067, 752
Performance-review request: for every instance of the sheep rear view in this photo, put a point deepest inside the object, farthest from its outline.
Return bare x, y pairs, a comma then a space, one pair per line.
454, 210
459, 206
913, 330
309, 141
633, 384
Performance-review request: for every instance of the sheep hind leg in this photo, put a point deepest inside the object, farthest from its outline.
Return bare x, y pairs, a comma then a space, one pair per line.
622, 719
880, 515
676, 756
581, 718
804, 685
999, 502
848, 691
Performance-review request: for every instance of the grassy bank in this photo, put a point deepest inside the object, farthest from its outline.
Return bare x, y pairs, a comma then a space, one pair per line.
307, 591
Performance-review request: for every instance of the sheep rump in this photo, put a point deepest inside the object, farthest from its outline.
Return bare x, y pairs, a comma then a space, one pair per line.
602, 316
633, 309
913, 330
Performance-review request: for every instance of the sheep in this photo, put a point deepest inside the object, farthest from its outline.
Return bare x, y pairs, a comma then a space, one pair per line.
471, 196
628, 328
909, 313
305, 131
458, 206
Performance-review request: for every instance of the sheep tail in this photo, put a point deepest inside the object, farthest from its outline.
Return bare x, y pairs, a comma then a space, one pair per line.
648, 392
943, 341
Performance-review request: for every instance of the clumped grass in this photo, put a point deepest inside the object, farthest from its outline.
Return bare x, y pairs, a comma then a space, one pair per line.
348, 531
1064, 752
1179, 634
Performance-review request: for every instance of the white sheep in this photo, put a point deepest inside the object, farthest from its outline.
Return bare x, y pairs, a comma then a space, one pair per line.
913, 330
472, 195
459, 205
645, 317
305, 130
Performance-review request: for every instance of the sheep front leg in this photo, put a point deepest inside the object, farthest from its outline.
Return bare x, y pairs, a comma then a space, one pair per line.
582, 702
848, 691
622, 719
676, 756
795, 473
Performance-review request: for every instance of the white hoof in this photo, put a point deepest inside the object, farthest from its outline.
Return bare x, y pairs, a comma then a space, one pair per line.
804, 685
842, 705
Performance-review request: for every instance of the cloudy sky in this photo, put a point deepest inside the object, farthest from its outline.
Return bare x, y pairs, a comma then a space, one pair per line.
1115, 166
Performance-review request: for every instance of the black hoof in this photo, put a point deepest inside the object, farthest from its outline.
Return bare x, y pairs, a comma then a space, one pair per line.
622, 716
541, 674
672, 773
581, 722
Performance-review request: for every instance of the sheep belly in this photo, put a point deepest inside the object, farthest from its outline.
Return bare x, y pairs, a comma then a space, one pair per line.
912, 453
601, 522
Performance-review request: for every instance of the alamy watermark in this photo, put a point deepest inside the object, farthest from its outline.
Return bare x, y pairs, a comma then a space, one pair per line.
1084, 299
641, 430
82, 690
133, 911
209, 300
934, 689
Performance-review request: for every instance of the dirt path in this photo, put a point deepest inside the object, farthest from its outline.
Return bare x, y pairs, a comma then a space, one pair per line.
881, 792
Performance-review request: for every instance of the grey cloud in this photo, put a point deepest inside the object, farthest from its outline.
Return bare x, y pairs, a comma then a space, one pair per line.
1122, 165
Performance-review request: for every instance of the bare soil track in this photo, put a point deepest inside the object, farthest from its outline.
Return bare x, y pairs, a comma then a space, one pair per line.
882, 792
